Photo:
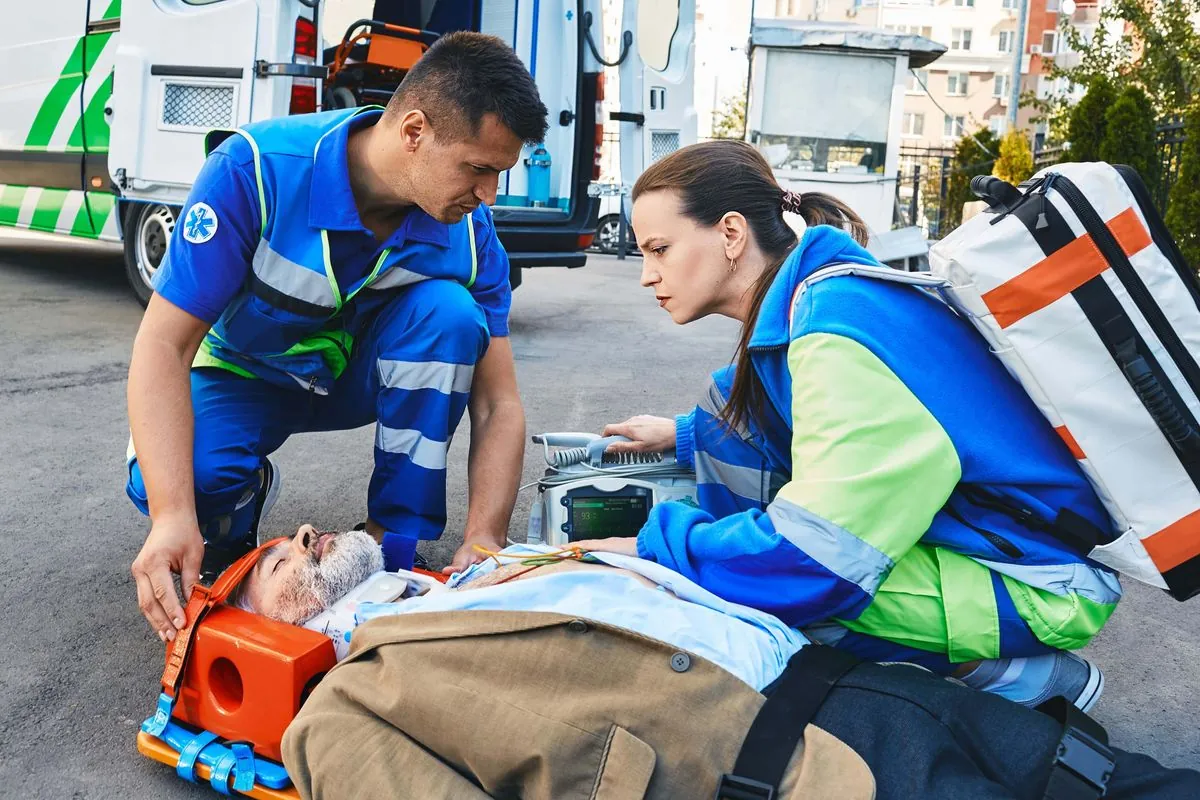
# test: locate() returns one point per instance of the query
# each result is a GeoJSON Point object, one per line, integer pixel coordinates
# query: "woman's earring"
{"type": "Point", "coordinates": [732, 265]}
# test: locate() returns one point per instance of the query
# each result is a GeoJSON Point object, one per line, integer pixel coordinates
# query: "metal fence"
{"type": "Point", "coordinates": [1170, 137]}
{"type": "Point", "coordinates": [927, 175]}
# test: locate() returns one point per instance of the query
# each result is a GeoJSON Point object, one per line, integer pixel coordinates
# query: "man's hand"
{"type": "Point", "coordinates": [173, 547]}
{"type": "Point", "coordinates": [623, 545]}
{"type": "Point", "coordinates": [467, 555]}
{"type": "Point", "coordinates": [648, 434]}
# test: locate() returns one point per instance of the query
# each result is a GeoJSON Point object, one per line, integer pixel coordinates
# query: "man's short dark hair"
{"type": "Point", "coordinates": [465, 76]}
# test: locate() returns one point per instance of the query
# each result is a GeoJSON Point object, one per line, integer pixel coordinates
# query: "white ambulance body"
{"type": "Point", "coordinates": [106, 104]}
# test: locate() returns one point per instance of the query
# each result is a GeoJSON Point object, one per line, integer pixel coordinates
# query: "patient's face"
{"type": "Point", "coordinates": [298, 579]}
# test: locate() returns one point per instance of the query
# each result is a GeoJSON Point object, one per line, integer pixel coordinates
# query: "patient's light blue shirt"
{"type": "Point", "coordinates": [752, 645]}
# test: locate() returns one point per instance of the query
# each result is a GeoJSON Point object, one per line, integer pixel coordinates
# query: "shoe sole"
{"type": "Point", "coordinates": [269, 498]}
{"type": "Point", "coordinates": [1092, 690]}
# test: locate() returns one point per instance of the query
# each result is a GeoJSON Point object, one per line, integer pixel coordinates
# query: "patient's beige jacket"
{"type": "Point", "coordinates": [475, 704]}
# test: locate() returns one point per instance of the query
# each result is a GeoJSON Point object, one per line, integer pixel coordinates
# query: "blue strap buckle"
{"type": "Point", "coordinates": [243, 776]}
{"type": "Point", "coordinates": [186, 768]}
{"type": "Point", "coordinates": [162, 715]}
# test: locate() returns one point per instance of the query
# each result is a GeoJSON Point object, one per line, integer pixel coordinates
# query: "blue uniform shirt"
{"type": "Point", "coordinates": [203, 278]}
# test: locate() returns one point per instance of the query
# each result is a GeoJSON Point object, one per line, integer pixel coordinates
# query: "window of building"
{"type": "Point", "coordinates": [997, 124]}
{"type": "Point", "coordinates": [914, 124]}
{"type": "Point", "coordinates": [1006, 41]}
{"type": "Point", "coordinates": [918, 79]}
{"type": "Point", "coordinates": [1000, 86]}
{"type": "Point", "coordinates": [960, 39]}
{"type": "Point", "coordinates": [964, 3]}
{"type": "Point", "coordinates": [1050, 42]}
{"type": "Point", "coordinates": [1011, 5]}
{"type": "Point", "coordinates": [953, 127]}
{"type": "Point", "coordinates": [956, 84]}
{"type": "Point", "coordinates": [1052, 5]}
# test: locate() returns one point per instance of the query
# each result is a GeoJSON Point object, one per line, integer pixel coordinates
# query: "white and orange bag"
{"type": "Point", "coordinates": [1082, 293]}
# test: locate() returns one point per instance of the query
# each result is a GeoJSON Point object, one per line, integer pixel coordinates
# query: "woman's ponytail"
{"type": "Point", "coordinates": [818, 208]}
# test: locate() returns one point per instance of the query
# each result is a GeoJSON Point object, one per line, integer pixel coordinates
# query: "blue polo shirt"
{"type": "Point", "coordinates": [202, 279]}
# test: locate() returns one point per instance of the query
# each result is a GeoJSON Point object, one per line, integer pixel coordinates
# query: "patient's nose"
{"type": "Point", "coordinates": [305, 538]}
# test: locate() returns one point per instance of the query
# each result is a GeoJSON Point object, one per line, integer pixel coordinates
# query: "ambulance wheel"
{"type": "Point", "coordinates": [514, 277]}
{"type": "Point", "coordinates": [608, 236]}
{"type": "Point", "coordinates": [148, 228]}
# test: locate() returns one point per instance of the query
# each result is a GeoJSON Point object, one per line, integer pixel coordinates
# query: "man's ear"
{"type": "Point", "coordinates": [736, 232]}
{"type": "Point", "coordinates": [414, 129]}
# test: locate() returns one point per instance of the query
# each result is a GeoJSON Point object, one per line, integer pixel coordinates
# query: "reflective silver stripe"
{"type": "Point", "coordinates": [1097, 585]}
{"type": "Point", "coordinates": [712, 402]}
{"type": "Point", "coordinates": [292, 279]}
{"type": "Point", "coordinates": [424, 452]}
{"type": "Point", "coordinates": [830, 545]}
{"type": "Point", "coordinates": [439, 375]}
{"type": "Point", "coordinates": [745, 481]}
{"type": "Point", "coordinates": [397, 277]}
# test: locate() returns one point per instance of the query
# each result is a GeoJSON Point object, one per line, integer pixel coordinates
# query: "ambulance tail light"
{"type": "Point", "coordinates": [597, 159]}
{"type": "Point", "coordinates": [304, 90]}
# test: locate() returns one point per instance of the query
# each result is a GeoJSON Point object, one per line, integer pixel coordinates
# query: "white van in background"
{"type": "Point", "coordinates": [106, 103]}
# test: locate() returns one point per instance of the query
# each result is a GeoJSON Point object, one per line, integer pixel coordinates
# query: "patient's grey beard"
{"type": "Point", "coordinates": [353, 557]}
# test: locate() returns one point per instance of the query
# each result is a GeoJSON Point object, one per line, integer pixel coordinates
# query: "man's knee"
{"type": "Point", "coordinates": [437, 319]}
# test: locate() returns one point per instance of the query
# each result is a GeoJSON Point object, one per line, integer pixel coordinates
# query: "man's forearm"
{"type": "Point", "coordinates": [160, 418]}
{"type": "Point", "coordinates": [494, 470]}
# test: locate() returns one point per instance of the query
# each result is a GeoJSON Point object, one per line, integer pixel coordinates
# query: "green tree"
{"type": "Point", "coordinates": [1183, 208]}
{"type": "Point", "coordinates": [1087, 121]}
{"type": "Point", "coordinates": [974, 155]}
{"type": "Point", "coordinates": [1157, 49]}
{"type": "Point", "coordinates": [730, 121]}
{"type": "Point", "coordinates": [1129, 137]}
{"type": "Point", "coordinates": [1016, 158]}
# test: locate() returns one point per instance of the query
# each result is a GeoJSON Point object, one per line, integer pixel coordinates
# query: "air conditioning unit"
{"type": "Point", "coordinates": [1035, 49]}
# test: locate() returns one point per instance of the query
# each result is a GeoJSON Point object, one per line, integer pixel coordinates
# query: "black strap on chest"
{"type": "Point", "coordinates": [769, 744]}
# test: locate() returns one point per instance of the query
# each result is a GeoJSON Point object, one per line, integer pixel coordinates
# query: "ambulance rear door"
{"type": "Point", "coordinates": [183, 68]}
{"type": "Point", "coordinates": [658, 112]}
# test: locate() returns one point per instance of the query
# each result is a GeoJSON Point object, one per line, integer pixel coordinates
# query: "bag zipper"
{"type": "Point", "coordinates": [1114, 254]}
{"type": "Point", "coordinates": [996, 540]}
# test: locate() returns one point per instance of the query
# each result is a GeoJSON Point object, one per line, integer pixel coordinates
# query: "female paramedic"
{"type": "Point", "coordinates": [867, 469]}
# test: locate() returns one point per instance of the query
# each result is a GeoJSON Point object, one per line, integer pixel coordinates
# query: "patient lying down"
{"type": "Point", "coordinates": [333, 582]}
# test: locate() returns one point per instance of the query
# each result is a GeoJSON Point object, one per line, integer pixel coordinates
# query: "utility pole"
{"type": "Point", "coordinates": [1014, 89]}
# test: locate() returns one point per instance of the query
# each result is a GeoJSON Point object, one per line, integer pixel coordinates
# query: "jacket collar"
{"type": "Point", "coordinates": [331, 200]}
{"type": "Point", "coordinates": [819, 246]}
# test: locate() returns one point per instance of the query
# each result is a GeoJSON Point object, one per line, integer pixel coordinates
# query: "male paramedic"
{"type": "Point", "coordinates": [331, 270]}
{"type": "Point", "coordinates": [538, 676]}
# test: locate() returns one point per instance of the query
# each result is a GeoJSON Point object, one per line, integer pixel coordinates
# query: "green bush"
{"type": "Point", "coordinates": [1087, 122]}
{"type": "Point", "coordinates": [971, 158]}
{"type": "Point", "coordinates": [1183, 208]}
{"type": "Point", "coordinates": [1129, 137]}
{"type": "Point", "coordinates": [1016, 158]}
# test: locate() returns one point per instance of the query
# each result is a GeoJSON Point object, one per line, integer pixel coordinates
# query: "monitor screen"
{"type": "Point", "coordinates": [602, 517]}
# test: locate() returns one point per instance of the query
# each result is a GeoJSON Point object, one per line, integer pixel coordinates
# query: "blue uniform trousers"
{"type": "Point", "coordinates": [410, 372]}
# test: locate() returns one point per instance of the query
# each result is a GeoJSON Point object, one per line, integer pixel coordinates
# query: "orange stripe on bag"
{"type": "Point", "coordinates": [1069, 439]}
{"type": "Point", "coordinates": [1176, 543]}
{"type": "Point", "coordinates": [1062, 272]}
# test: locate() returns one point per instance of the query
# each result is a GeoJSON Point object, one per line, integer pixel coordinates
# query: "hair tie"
{"type": "Point", "coordinates": [792, 201]}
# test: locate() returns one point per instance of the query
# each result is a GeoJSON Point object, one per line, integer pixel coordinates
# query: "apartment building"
{"type": "Point", "coordinates": [968, 87]}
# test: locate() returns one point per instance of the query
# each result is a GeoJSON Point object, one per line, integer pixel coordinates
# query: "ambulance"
{"type": "Point", "coordinates": [105, 103]}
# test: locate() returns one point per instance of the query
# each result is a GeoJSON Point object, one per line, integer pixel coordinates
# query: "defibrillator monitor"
{"type": "Point", "coordinates": [595, 514]}
{"type": "Point", "coordinates": [589, 493]}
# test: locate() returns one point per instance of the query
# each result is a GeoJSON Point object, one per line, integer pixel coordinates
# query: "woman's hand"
{"type": "Point", "coordinates": [624, 545]}
{"type": "Point", "coordinates": [647, 434]}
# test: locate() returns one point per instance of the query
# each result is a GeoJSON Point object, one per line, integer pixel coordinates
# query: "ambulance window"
{"type": "Point", "coordinates": [843, 127]}
{"type": "Point", "coordinates": [657, 22]}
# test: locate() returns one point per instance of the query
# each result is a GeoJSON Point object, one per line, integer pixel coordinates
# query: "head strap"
{"type": "Point", "coordinates": [202, 599]}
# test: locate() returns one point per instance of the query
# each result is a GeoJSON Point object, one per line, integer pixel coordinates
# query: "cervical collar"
{"type": "Point", "coordinates": [337, 621]}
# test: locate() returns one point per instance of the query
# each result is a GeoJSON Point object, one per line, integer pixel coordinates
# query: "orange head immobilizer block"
{"type": "Point", "coordinates": [246, 676]}
{"type": "Point", "coordinates": [236, 674]}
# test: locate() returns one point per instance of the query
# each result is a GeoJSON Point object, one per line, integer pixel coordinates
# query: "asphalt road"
{"type": "Point", "coordinates": [78, 667]}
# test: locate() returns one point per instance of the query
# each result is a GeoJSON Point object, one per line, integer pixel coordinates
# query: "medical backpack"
{"type": "Point", "coordinates": [1079, 289]}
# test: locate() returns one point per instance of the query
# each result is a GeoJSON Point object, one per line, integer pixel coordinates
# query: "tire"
{"type": "Point", "coordinates": [148, 228]}
{"type": "Point", "coordinates": [608, 236]}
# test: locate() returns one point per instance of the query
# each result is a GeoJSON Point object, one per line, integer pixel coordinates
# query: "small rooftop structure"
{"type": "Point", "coordinates": [843, 36]}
